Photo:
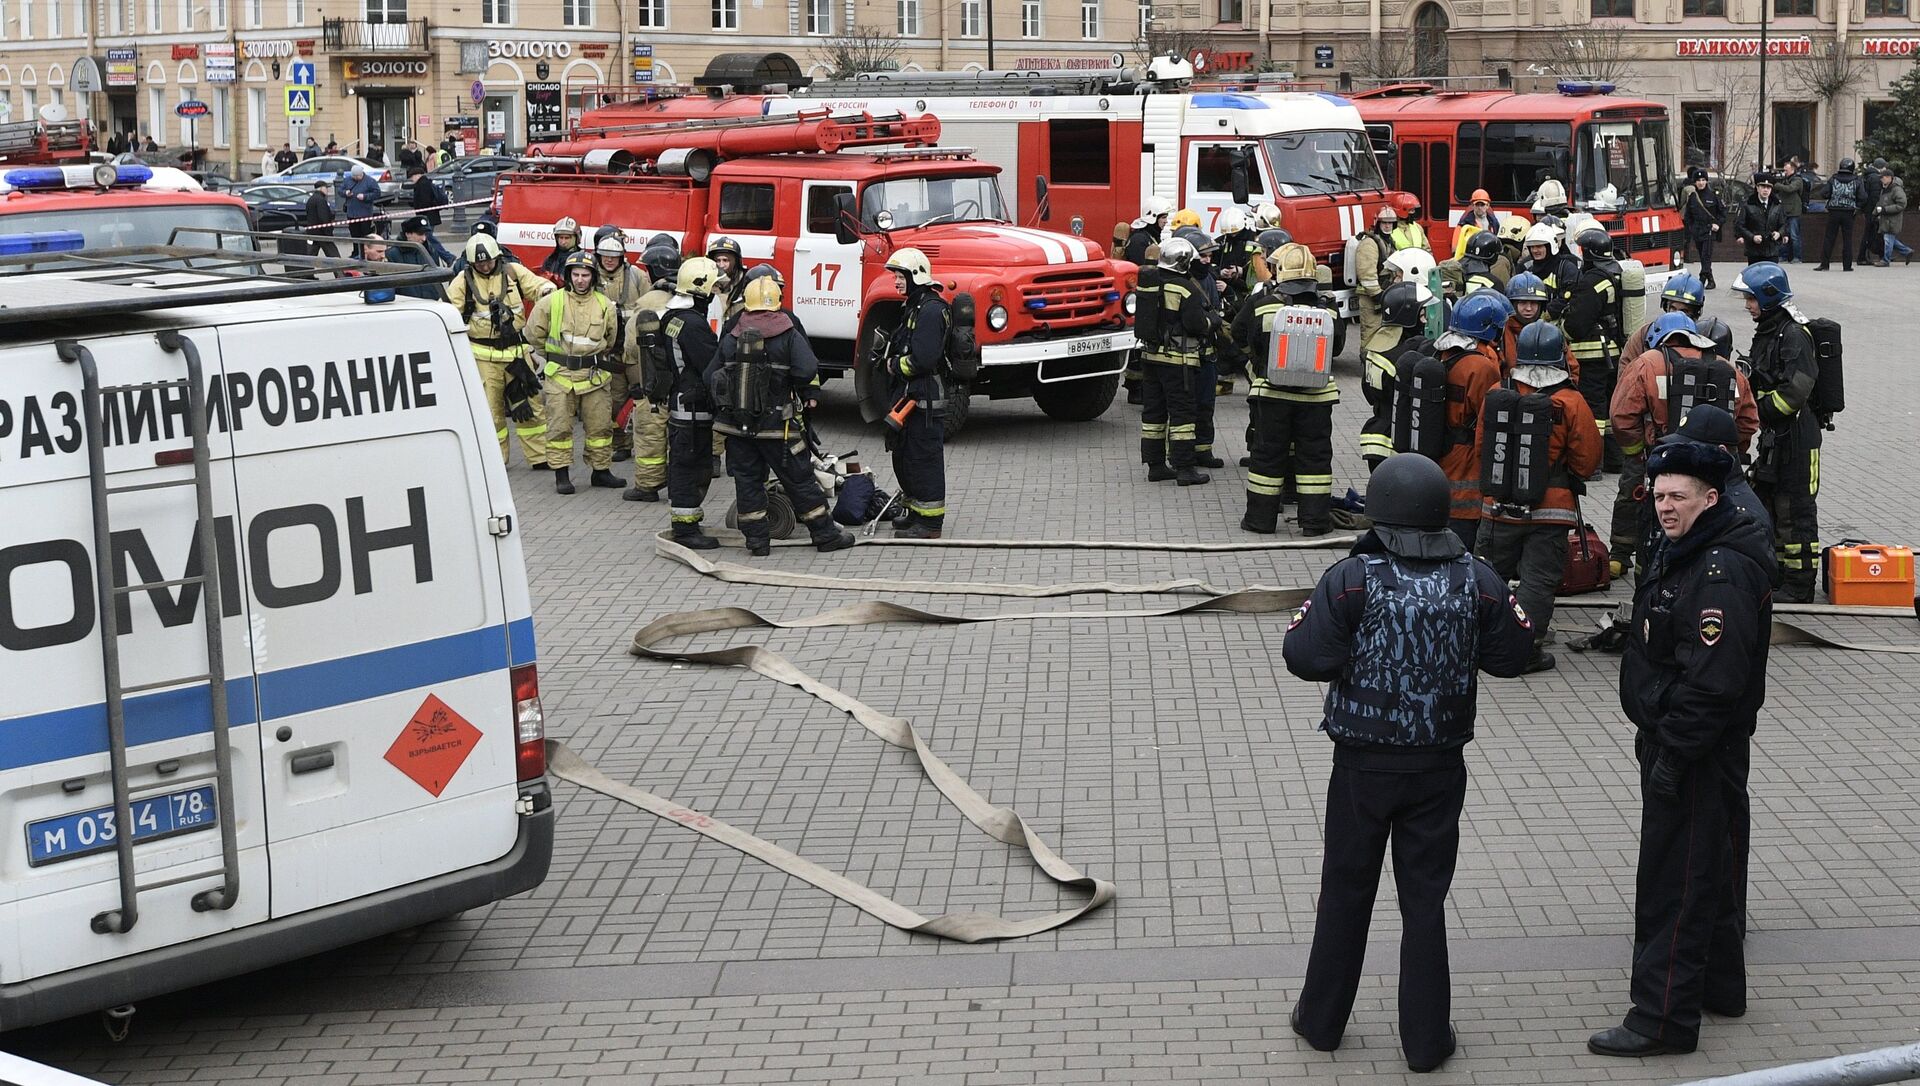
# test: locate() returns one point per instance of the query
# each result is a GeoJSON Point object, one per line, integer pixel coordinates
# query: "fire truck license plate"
{"type": "Point", "coordinates": [1096, 345]}
{"type": "Point", "coordinates": [72, 836]}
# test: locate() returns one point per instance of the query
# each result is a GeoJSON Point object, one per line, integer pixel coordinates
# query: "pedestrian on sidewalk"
{"type": "Point", "coordinates": [1892, 215]}
{"type": "Point", "coordinates": [1692, 681]}
{"type": "Point", "coordinates": [1398, 631]}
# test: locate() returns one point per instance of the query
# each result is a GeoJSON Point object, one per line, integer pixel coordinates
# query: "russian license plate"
{"type": "Point", "coordinates": [84, 833]}
{"type": "Point", "coordinates": [1095, 345]}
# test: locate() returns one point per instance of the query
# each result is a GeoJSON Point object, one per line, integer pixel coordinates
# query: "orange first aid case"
{"type": "Point", "coordinates": [1869, 575]}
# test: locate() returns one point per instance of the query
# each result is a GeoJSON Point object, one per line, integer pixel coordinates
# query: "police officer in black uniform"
{"type": "Point", "coordinates": [687, 346]}
{"type": "Point", "coordinates": [1398, 631]}
{"type": "Point", "coordinates": [916, 368]}
{"type": "Point", "coordinates": [763, 364]}
{"type": "Point", "coordinates": [1692, 681]}
{"type": "Point", "coordinates": [1786, 474]}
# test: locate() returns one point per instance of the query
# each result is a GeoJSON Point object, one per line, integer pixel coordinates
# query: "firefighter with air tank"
{"type": "Point", "coordinates": [492, 293]}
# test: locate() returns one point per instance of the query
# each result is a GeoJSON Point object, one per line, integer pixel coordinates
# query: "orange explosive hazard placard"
{"type": "Point", "coordinates": [434, 745]}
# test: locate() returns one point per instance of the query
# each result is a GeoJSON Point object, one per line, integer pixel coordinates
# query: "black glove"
{"type": "Point", "coordinates": [1663, 779]}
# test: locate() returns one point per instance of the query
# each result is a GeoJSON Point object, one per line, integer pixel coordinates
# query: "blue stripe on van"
{"type": "Point", "coordinates": [170, 714]}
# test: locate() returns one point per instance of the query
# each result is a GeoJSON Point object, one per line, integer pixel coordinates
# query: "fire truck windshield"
{"type": "Point", "coordinates": [1623, 166]}
{"type": "Point", "coordinates": [900, 202]}
{"type": "Point", "coordinates": [1310, 163]}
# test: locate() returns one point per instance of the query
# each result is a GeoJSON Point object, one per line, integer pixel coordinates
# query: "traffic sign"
{"type": "Point", "coordinates": [299, 101]}
{"type": "Point", "coordinates": [303, 73]}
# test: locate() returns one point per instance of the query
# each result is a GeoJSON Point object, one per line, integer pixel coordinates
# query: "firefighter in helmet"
{"type": "Point", "coordinates": [763, 366]}
{"type": "Point", "coordinates": [1684, 293]}
{"type": "Point", "coordinates": [624, 285]}
{"type": "Point", "coordinates": [1401, 336]}
{"type": "Point", "coordinates": [1369, 268]}
{"type": "Point", "coordinates": [566, 242]}
{"type": "Point", "coordinates": [1292, 425]}
{"type": "Point", "coordinates": [650, 386]}
{"type": "Point", "coordinates": [1536, 448]}
{"type": "Point", "coordinates": [1449, 427]}
{"type": "Point", "coordinates": [575, 336]}
{"type": "Point", "coordinates": [725, 254]}
{"type": "Point", "coordinates": [492, 293]}
{"type": "Point", "coordinates": [687, 345]}
{"type": "Point", "coordinates": [1591, 316]}
{"type": "Point", "coordinates": [1786, 474]}
{"type": "Point", "coordinates": [1171, 320]}
{"type": "Point", "coordinates": [916, 366]}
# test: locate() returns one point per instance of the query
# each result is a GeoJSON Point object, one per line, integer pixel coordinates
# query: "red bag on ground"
{"type": "Point", "coordinates": [1587, 569]}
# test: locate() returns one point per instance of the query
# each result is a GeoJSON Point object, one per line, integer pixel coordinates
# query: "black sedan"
{"type": "Point", "coordinates": [466, 179]}
{"type": "Point", "coordinates": [276, 207]}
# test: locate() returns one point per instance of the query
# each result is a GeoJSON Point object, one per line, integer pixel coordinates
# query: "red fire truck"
{"type": "Point", "coordinates": [49, 185]}
{"type": "Point", "coordinates": [826, 199]}
{"type": "Point", "coordinates": [1613, 154]}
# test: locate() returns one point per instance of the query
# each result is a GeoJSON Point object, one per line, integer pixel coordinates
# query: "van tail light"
{"type": "Point", "coordinates": [529, 723]}
{"type": "Point", "coordinates": [386, 175]}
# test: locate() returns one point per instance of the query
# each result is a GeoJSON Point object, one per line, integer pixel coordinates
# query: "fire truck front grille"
{"type": "Point", "coordinates": [1067, 297]}
{"type": "Point", "coordinates": [1658, 240]}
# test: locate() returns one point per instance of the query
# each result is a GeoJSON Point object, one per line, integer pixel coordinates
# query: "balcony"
{"type": "Point", "coordinates": [362, 36]}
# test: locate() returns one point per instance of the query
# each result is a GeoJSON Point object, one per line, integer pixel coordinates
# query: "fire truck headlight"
{"type": "Point", "coordinates": [997, 318]}
{"type": "Point", "coordinates": [1128, 303]}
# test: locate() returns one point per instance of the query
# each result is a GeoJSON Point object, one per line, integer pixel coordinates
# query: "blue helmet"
{"type": "Point", "coordinates": [1505, 305]}
{"type": "Point", "coordinates": [1542, 344]}
{"type": "Point", "coordinates": [1479, 316]}
{"type": "Point", "coordinates": [1527, 287]}
{"type": "Point", "coordinates": [1667, 324]}
{"type": "Point", "coordinates": [1766, 283]}
{"type": "Point", "coordinates": [1687, 289]}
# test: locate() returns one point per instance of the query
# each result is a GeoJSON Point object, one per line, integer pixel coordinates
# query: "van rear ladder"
{"type": "Point", "coordinates": [207, 580]}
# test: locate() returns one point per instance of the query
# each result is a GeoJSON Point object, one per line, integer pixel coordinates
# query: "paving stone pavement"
{"type": "Point", "coordinates": [1173, 757]}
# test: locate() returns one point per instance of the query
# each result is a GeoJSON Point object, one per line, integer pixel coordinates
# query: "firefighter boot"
{"type": "Point", "coordinates": [1316, 514]}
{"type": "Point", "coordinates": [689, 535]}
{"type": "Point", "coordinates": [1263, 514]}
{"type": "Point", "coordinates": [602, 477]}
{"type": "Point", "coordinates": [827, 535]}
{"type": "Point", "coordinates": [635, 493]}
{"type": "Point", "coordinates": [1191, 476]}
{"type": "Point", "coordinates": [1154, 455]}
{"type": "Point", "coordinates": [562, 481]}
{"type": "Point", "coordinates": [758, 544]}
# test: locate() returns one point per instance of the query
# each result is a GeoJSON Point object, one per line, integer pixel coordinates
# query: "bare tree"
{"type": "Point", "coordinates": [1739, 87]}
{"type": "Point", "coordinates": [1601, 51]}
{"type": "Point", "coordinates": [1170, 32]}
{"type": "Point", "coordinates": [1386, 59]}
{"type": "Point", "coordinates": [1827, 76]}
{"type": "Point", "coordinates": [859, 49]}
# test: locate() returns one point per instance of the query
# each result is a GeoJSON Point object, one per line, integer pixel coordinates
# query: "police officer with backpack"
{"type": "Point", "coordinates": [1292, 425]}
{"type": "Point", "coordinates": [1538, 443]}
{"type": "Point", "coordinates": [1786, 473]}
{"type": "Point", "coordinates": [763, 365]}
{"type": "Point", "coordinates": [1397, 631]}
{"type": "Point", "coordinates": [917, 367]}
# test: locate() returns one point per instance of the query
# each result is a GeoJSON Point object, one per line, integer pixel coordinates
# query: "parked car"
{"type": "Point", "coordinates": [334, 169]}
{"type": "Point", "coordinates": [470, 179]}
{"type": "Point", "coordinates": [276, 207]}
{"type": "Point", "coordinates": [191, 160]}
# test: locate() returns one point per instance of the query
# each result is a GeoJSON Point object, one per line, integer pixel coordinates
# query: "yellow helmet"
{"type": "Point", "coordinates": [762, 295]}
{"type": "Point", "coordinates": [698, 275]}
{"type": "Point", "coordinates": [1513, 227]}
{"type": "Point", "coordinates": [482, 247]}
{"type": "Point", "coordinates": [1186, 216]}
{"type": "Point", "coordinates": [914, 263]}
{"type": "Point", "coordinates": [1295, 262]}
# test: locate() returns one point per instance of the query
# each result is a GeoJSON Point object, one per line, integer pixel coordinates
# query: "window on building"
{"type": "Point", "coordinates": [1430, 56]}
{"type": "Point", "coordinates": [1700, 127]}
{"type": "Point", "coordinates": [1232, 11]}
{"type": "Point", "coordinates": [820, 17]}
{"type": "Point", "coordinates": [296, 12]}
{"type": "Point", "coordinates": [26, 18]}
{"type": "Point", "coordinates": [907, 18]}
{"type": "Point", "coordinates": [820, 207]}
{"type": "Point", "coordinates": [1874, 114]}
{"type": "Point", "coordinates": [576, 12]}
{"type": "Point", "coordinates": [726, 14]}
{"type": "Point", "coordinates": [4, 21]}
{"type": "Point", "coordinates": [186, 14]}
{"type": "Point", "coordinates": [1792, 7]}
{"type": "Point", "coordinates": [1792, 131]}
{"type": "Point", "coordinates": [1715, 8]}
{"type": "Point", "coordinates": [219, 8]}
{"type": "Point", "coordinates": [1079, 152]}
{"type": "Point", "coordinates": [970, 21]}
{"type": "Point", "coordinates": [222, 116]}
{"type": "Point", "coordinates": [1611, 9]}
{"type": "Point", "coordinates": [1090, 19]}
{"type": "Point", "coordinates": [1146, 19]}
{"type": "Point", "coordinates": [256, 12]}
{"type": "Point", "coordinates": [29, 103]}
{"type": "Point", "coordinates": [379, 11]}
{"type": "Point", "coordinates": [6, 104]}
{"type": "Point", "coordinates": [53, 18]}
{"type": "Point", "coordinates": [256, 117]}
{"type": "Point", "coordinates": [157, 114]}
{"type": "Point", "coordinates": [496, 12]}
{"type": "Point", "coordinates": [1886, 7]}
{"type": "Point", "coordinates": [1030, 18]}
{"type": "Point", "coordinates": [653, 13]}
{"type": "Point", "coordinates": [746, 207]}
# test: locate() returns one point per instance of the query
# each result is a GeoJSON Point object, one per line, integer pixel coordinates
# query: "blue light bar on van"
{"type": "Point", "coordinates": [72, 177]}
{"type": "Point", "coordinates": [1227, 101]}
{"type": "Point", "coordinates": [1580, 88]}
{"type": "Point", "coordinates": [43, 241]}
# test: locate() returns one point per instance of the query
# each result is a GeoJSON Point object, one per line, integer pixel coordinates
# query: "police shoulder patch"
{"type": "Point", "coordinates": [1300, 615]}
{"type": "Point", "coordinates": [1713, 623]}
{"type": "Point", "coordinates": [1519, 613]}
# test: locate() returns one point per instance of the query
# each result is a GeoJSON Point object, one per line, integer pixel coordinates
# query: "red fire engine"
{"type": "Point", "coordinates": [825, 199]}
{"type": "Point", "coordinates": [1612, 154]}
{"type": "Point", "coordinates": [48, 186]}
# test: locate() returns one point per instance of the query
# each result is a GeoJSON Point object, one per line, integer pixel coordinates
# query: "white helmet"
{"type": "Point", "coordinates": [1414, 265]}
{"type": "Point", "coordinates": [1232, 221]}
{"type": "Point", "coordinates": [1552, 194]}
{"type": "Point", "coordinates": [1546, 234]}
{"type": "Point", "coordinates": [481, 247]}
{"type": "Point", "coordinates": [914, 263]}
{"type": "Point", "coordinates": [610, 246]}
{"type": "Point", "coordinates": [1153, 210]}
{"type": "Point", "coordinates": [1576, 223]}
{"type": "Point", "coordinates": [1176, 254]}
{"type": "Point", "coordinates": [1266, 217]}
{"type": "Point", "coordinates": [566, 225]}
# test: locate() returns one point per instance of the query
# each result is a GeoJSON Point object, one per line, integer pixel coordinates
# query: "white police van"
{"type": "Point", "coordinates": [245, 463]}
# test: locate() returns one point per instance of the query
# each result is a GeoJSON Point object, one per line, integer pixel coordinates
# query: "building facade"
{"type": "Point", "coordinates": [489, 70]}
{"type": "Point", "coordinates": [1830, 63]}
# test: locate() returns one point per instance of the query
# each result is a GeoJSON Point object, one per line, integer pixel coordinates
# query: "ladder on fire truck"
{"type": "Point", "coordinates": [691, 147]}
{"type": "Point", "coordinates": [43, 142]}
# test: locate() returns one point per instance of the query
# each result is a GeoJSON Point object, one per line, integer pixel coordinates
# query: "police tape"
{"type": "Point", "coordinates": [386, 215]}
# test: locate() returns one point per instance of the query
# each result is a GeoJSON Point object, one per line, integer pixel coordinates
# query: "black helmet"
{"type": "Point", "coordinates": [1271, 238]}
{"type": "Point", "coordinates": [1409, 491]}
{"type": "Point", "coordinates": [1719, 332]}
{"type": "Point", "coordinates": [1594, 243]}
{"type": "Point", "coordinates": [1400, 306]}
{"type": "Point", "coordinates": [1484, 246]}
{"type": "Point", "coordinates": [1846, 165]}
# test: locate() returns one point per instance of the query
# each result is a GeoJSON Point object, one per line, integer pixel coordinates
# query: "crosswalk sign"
{"type": "Point", "coordinates": [299, 101]}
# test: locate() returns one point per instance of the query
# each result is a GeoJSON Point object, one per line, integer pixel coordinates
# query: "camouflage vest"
{"type": "Point", "coordinates": [1410, 682]}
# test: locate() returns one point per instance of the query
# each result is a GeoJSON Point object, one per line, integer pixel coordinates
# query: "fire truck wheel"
{"type": "Point", "coordinates": [1077, 401]}
{"type": "Point", "coordinates": [959, 406]}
